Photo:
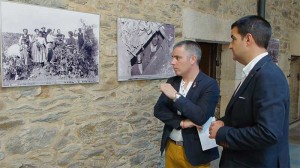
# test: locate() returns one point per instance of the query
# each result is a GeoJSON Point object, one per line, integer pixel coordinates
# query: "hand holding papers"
{"type": "Point", "coordinates": [205, 141]}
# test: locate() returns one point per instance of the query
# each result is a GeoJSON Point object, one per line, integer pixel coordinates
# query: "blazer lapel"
{"type": "Point", "coordinates": [176, 83]}
{"type": "Point", "coordinates": [195, 85]}
{"type": "Point", "coordinates": [252, 73]}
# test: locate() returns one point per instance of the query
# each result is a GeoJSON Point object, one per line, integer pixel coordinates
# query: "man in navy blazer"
{"type": "Point", "coordinates": [187, 101]}
{"type": "Point", "coordinates": [254, 130]}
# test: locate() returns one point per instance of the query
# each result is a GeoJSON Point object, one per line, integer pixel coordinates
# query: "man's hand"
{"type": "Point", "coordinates": [187, 123]}
{"type": "Point", "coordinates": [214, 127]}
{"type": "Point", "coordinates": [168, 90]}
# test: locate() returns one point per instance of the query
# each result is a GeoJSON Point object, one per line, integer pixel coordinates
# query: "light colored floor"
{"type": "Point", "coordinates": [215, 163]}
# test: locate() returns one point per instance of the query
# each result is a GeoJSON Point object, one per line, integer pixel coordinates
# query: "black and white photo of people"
{"type": "Point", "coordinates": [62, 49]}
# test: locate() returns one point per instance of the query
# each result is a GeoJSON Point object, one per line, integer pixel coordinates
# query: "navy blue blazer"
{"type": "Point", "coordinates": [257, 120]}
{"type": "Point", "coordinates": [198, 105]}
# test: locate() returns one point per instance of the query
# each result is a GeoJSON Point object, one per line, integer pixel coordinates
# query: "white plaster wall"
{"type": "Point", "coordinates": [205, 27]}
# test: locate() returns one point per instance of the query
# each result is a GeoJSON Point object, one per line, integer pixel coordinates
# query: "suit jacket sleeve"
{"type": "Point", "coordinates": [269, 101]}
{"type": "Point", "coordinates": [164, 111]}
{"type": "Point", "coordinates": [198, 108]}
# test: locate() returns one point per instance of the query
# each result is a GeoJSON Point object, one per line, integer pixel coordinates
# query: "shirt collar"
{"type": "Point", "coordinates": [250, 65]}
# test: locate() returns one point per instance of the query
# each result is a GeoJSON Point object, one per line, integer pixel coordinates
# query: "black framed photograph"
{"type": "Point", "coordinates": [144, 49]}
{"type": "Point", "coordinates": [47, 46]}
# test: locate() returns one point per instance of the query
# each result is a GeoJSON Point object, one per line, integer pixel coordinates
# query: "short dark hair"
{"type": "Point", "coordinates": [70, 33]}
{"type": "Point", "coordinates": [192, 47]}
{"type": "Point", "coordinates": [257, 26]}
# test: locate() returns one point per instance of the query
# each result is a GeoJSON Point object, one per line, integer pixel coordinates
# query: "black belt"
{"type": "Point", "coordinates": [179, 143]}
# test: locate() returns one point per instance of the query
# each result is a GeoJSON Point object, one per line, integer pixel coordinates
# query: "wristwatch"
{"type": "Point", "coordinates": [177, 96]}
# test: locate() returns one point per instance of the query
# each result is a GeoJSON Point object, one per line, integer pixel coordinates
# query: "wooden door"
{"type": "Point", "coordinates": [209, 58]}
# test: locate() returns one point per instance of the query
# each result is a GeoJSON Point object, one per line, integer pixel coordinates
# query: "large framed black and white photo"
{"type": "Point", "coordinates": [144, 49]}
{"type": "Point", "coordinates": [47, 46]}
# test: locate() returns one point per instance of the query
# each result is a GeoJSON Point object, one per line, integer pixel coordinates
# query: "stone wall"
{"type": "Point", "coordinates": [111, 124]}
{"type": "Point", "coordinates": [284, 18]}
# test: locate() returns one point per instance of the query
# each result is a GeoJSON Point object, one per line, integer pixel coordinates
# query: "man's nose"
{"type": "Point", "coordinates": [173, 61]}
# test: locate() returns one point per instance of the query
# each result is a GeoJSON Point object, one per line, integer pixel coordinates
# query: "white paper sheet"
{"type": "Point", "coordinates": [205, 141]}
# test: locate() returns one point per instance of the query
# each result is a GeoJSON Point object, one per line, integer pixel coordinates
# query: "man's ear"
{"type": "Point", "coordinates": [193, 59]}
{"type": "Point", "coordinates": [249, 39]}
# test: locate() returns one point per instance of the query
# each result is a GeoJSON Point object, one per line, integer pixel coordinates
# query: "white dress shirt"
{"type": "Point", "coordinates": [246, 70]}
{"type": "Point", "coordinates": [176, 134]}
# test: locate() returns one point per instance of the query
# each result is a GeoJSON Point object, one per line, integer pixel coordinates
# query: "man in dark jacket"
{"type": "Point", "coordinates": [254, 130]}
{"type": "Point", "coordinates": [187, 101]}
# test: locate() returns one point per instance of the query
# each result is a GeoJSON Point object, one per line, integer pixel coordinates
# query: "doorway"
{"type": "Point", "coordinates": [210, 63]}
{"type": "Point", "coordinates": [209, 59]}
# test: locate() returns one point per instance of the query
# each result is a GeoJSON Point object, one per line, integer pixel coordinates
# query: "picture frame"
{"type": "Point", "coordinates": [47, 46]}
{"type": "Point", "coordinates": [144, 49]}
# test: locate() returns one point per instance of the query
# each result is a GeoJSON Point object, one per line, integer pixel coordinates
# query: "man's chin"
{"type": "Point", "coordinates": [177, 73]}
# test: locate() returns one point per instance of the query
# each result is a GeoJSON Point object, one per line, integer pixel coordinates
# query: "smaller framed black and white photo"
{"type": "Point", "coordinates": [47, 46]}
{"type": "Point", "coordinates": [144, 49]}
